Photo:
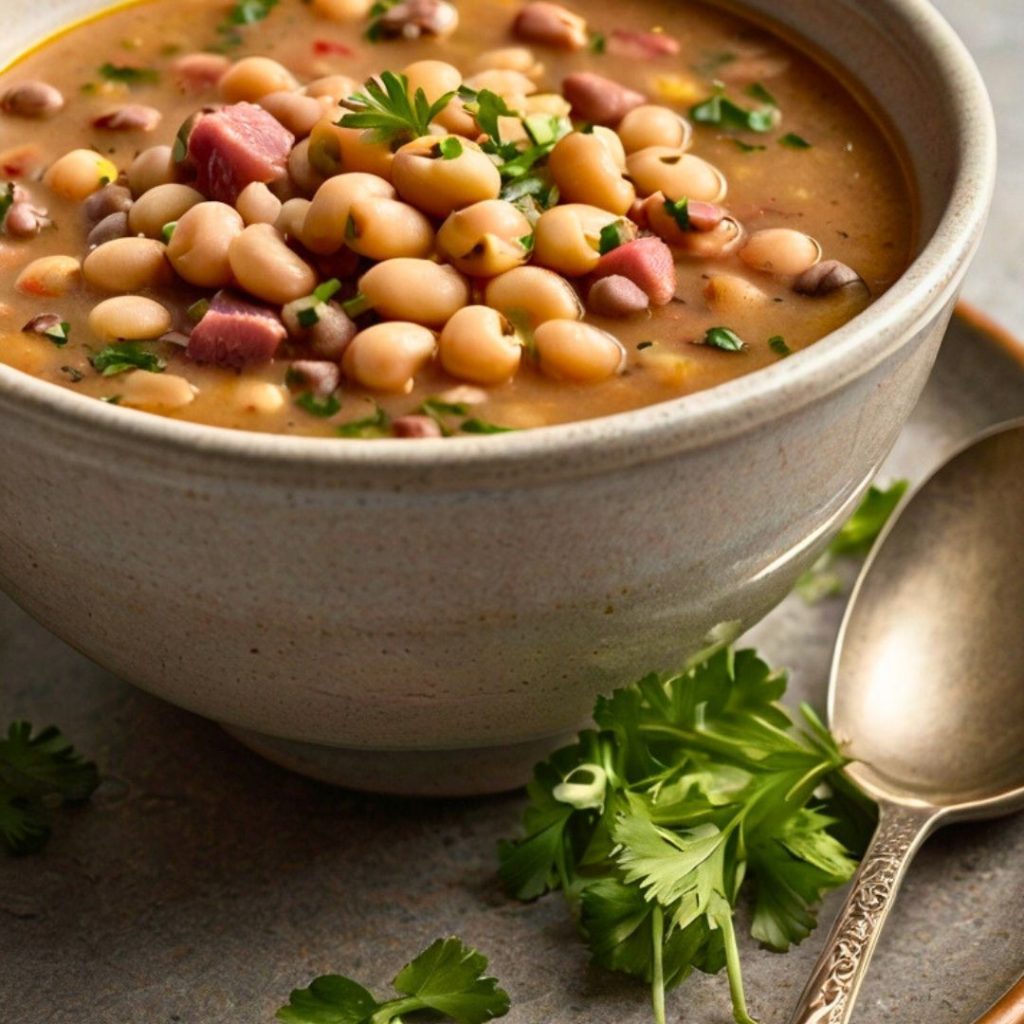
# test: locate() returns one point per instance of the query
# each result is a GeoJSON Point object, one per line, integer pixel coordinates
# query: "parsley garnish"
{"type": "Point", "coordinates": [58, 333]}
{"type": "Point", "coordinates": [793, 141]}
{"type": "Point", "coordinates": [449, 148]}
{"type": "Point", "coordinates": [598, 43]}
{"type": "Point", "coordinates": [198, 310]}
{"type": "Point", "coordinates": [36, 772]}
{"type": "Point", "coordinates": [308, 317]}
{"type": "Point", "coordinates": [722, 112]}
{"type": "Point", "coordinates": [377, 425]}
{"type": "Point", "coordinates": [747, 147]}
{"type": "Point", "coordinates": [778, 345]}
{"type": "Point", "coordinates": [6, 201]}
{"type": "Point", "coordinates": [447, 980]}
{"type": "Point", "coordinates": [130, 76]}
{"type": "Point", "coordinates": [688, 784]}
{"type": "Point", "coordinates": [854, 540]}
{"type": "Point", "coordinates": [375, 30]}
{"type": "Point", "coordinates": [478, 426]}
{"type": "Point", "coordinates": [384, 110]}
{"type": "Point", "coordinates": [167, 231]}
{"type": "Point", "coordinates": [248, 12]}
{"type": "Point", "coordinates": [441, 411]}
{"type": "Point", "coordinates": [679, 211]}
{"type": "Point", "coordinates": [124, 356]}
{"type": "Point", "coordinates": [326, 291]}
{"type": "Point", "coordinates": [316, 406]}
{"type": "Point", "coordinates": [723, 339]}
{"type": "Point", "coordinates": [612, 236]}
{"type": "Point", "coordinates": [757, 91]}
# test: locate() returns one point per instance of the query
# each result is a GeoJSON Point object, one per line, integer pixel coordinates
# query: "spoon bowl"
{"type": "Point", "coordinates": [927, 687]}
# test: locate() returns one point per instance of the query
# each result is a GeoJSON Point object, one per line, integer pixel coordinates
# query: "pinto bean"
{"type": "Point", "coordinates": [598, 99]}
{"type": "Point", "coordinates": [114, 225]}
{"type": "Point", "coordinates": [34, 99]}
{"type": "Point", "coordinates": [780, 251]}
{"type": "Point", "coordinates": [551, 25]}
{"type": "Point", "coordinates": [617, 296]}
{"type": "Point", "coordinates": [25, 220]}
{"type": "Point", "coordinates": [416, 427]}
{"type": "Point", "coordinates": [131, 118]}
{"type": "Point", "coordinates": [826, 277]}
{"type": "Point", "coordinates": [110, 199]}
{"type": "Point", "coordinates": [411, 19]}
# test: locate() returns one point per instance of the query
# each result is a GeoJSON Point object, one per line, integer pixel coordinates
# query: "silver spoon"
{"type": "Point", "coordinates": [927, 687]}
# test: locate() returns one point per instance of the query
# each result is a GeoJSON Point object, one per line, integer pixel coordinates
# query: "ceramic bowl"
{"type": "Point", "coordinates": [431, 617]}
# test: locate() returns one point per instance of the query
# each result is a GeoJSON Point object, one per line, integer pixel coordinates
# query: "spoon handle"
{"type": "Point", "coordinates": [832, 989]}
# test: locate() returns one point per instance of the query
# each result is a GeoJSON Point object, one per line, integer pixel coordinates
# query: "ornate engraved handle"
{"type": "Point", "coordinates": [832, 990]}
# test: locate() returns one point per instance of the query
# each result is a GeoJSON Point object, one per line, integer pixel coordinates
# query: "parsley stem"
{"type": "Point", "coordinates": [732, 967]}
{"type": "Point", "coordinates": [658, 970]}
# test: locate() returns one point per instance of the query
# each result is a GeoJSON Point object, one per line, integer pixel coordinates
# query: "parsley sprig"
{"type": "Point", "coordinates": [448, 980]}
{"type": "Point", "coordinates": [35, 773]}
{"type": "Point", "coordinates": [688, 786]}
{"type": "Point", "coordinates": [385, 110]}
{"type": "Point", "coordinates": [721, 112]}
{"type": "Point", "coordinates": [123, 356]}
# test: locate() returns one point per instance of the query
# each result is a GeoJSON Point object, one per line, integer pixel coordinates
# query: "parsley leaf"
{"type": "Point", "coordinates": [317, 406]}
{"type": "Point", "coordinates": [613, 235]}
{"type": "Point", "coordinates": [375, 426]}
{"type": "Point", "coordinates": [724, 339]}
{"type": "Point", "coordinates": [778, 345]}
{"type": "Point", "coordinates": [679, 211]}
{"type": "Point", "coordinates": [723, 113]}
{"type": "Point", "coordinates": [130, 76]}
{"type": "Point", "coordinates": [757, 91]}
{"type": "Point", "coordinates": [441, 411]}
{"type": "Point", "coordinates": [447, 978]}
{"type": "Point", "coordinates": [793, 141]}
{"type": "Point", "coordinates": [449, 148]}
{"type": "Point", "coordinates": [6, 201]}
{"type": "Point", "coordinates": [35, 772]}
{"type": "Point", "coordinates": [688, 785]}
{"type": "Point", "coordinates": [248, 12]}
{"type": "Point", "coordinates": [385, 111]}
{"type": "Point", "coordinates": [123, 356]}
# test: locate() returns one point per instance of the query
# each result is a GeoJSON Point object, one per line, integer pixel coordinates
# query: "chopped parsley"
{"type": "Point", "coordinates": [721, 112]}
{"type": "Point", "coordinates": [317, 406]}
{"type": "Point", "coordinates": [793, 141]}
{"type": "Point", "coordinates": [598, 43]}
{"type": "Point", "coordinates": [167, 231]}
{"type": "Point", "coordinates": [124, 356]}
{"type": "Point", "coordinates": [58, 333]}
{"type": "Point", "coordinates": [38, 772]}
{"type": "Point", "coordinates": [198, 310]}
{"type": "Point", "coordinates": [478, 426]}
{"type": "Point", "coordinates": [778, 345]}
{"type": "Point", "coordinates": [248, 12]}
{"type": "Point", "coordinates": [6, 201]}
{"type": "Point", "coordinates": [326, 291]}
{"type": "Point", "coordinates": [613, 235]}
{"type": "Point", "coordinates": [748, 147]}
{"type": "Point", "coordinates": [449, 148]}
{"type": "Point", "coordinates": [74, 375]}
{"type": "Point", "coordinates": [375, 426]}
{"type": "Point", "coordinates": [723, 339]}
{"type": "Point", "coordinates": [375, 32]}
{"type": "Point", "coordinates": [385, 110]}
{"type": "Point", "coordinates": [308, 317]}
{"type": "Point", "coordinates": [129, 75]}
{"type": "Point", "coordinates": [679, 211]}
{"type": "Point", "coordinates": [441, 412]}
{"type": "Point", "coordinates": [446, 982]}
{"type": "Point", "coordinates": [757, 91]}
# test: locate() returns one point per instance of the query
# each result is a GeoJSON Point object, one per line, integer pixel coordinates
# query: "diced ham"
{"type": "Point", "coordinates": [236, 333]}
{"type": "Point", "coordinates": [235, 146]}
{"type": "Point", "coordinates": [648, 263]}
{"type": "Point", "coordinates": [642, 45]}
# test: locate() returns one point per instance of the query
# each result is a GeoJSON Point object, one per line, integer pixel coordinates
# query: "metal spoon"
{"type": "Point", "coordinates": [927, 687]}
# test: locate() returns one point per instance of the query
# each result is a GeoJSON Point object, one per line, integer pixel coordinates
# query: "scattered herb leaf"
{"type": "Point", "coordinates": [793, 141]}
{"type": "Point", "coordinates": [167, 231]}
{"type": "Point", "coordinates": [477, 426]}
{"type": "Point", "coordinates": [58, 333]}
{"type": "Point", "coordinates": [248, 12]}
{"type": "Point", "coordinates": [612, 236]}
{"type": "Point", "coordinates": [198, 310]}
{"type": "Point", "coordinates": [723, 113]}
{"type": "Point", "coordinates": [756, 91]}
{"type": "Point", "coordinates": [36, 772]}
{"type": "Point", "coordinates": [74, 375]}
{"type": "Point", "coordinates": [679, 211]}
{"type": "Point", "coordinates": [377, 425]}
{"type": "Point", "coordinates": [326, 291]}
{"type": "Point", "coordinates": [723, 339]}
{"type": "Point", "coordinates": [128, 75]}
{"type": "Point", "coordinates": [778, 345]}
{"type": "Point", "coordinates": [598, 43]}
{"type": "Point", "coordinates": [123, 356]}
{"type": "Point", "coordinates": [748, 147]}
{"type": "Point", "coordinates": [6, 201]}
{"type": "Point", "coordinates": [385, 110]}
{"type": "Point", "coordinates": [449, 148]}
{"type": "Point", "coordinates": [356, 306]}
{"type": "Point", "coordinates": [317, 406]}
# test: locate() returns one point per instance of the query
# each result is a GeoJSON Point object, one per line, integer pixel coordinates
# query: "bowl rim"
{"type": "Point", "coordinates": [688, 422]}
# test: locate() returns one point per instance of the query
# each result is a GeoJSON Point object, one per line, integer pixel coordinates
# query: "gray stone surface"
{"type": "Point", "coordinates": [204, 883]}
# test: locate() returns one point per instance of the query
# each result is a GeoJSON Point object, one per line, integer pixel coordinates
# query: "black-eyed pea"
{"type": "Point", "coordinates": [152, 167]}
{"type": "Point", "coordinates": [198, 249]}
{"type": "Point", "coordinates": [439, 175]}
{"type": "Point", "coordinates": [509, 58]}
{"type": "Point", "coordinates": [731, 294]}
{"type": "Point", "coordinates": [384, 229]}
{"type": "Point", "coordinates": [160, 206]}
{"type": "Point", "coordinates": [154, 392]}
{"type": "Point", "coordinates": [481, 346]}
{"type": "Point", "coordinates": [485, 239]}
{"type": "Point", "coordinates": [257, 397]}
{"type": "Point", "coordinates": [780, 251]}
{"type": "Point", "coordinates": [49, 277]}
{"type": "Point", "coordinates": [533, 295]}
{"type": "Point", "coordinates": [568, 238]}
{"type": "Point", "coordinates": [132, 117]}
{"type": "Point", "coordinates": [419, 291]}
{"type": "Point", "coordinates": [258, 205]}
{"type": "Point", "coordinates": [252, 78]}
{"type": "Point", "coordinates": [129, 318]}
{"type": "Point", "coordinates": [323, 231]}
{"type": "Point", "coordinates": [78, 174]}
{"type": "Point", "coordinates": [410, 19]}
{"type": "Point", "coordinates": [342, 10]}
{"type": "Point", "coordinates": [333, 87]}
{"type": "Point", "coordinates": [127, 265]}
{"type": "Point", "coordinates": [387, 357]}
{"type": "Point", "coordinates": [690, 228]}
{"type": "Point", "coordinates": [291, 219]}
{"type": "Point", "coordinates": [296, 111]}
{"type": "Point", "coordinates": [304, 175]}
{"type": "Point", "coordinates": [654, 125]}
{"type": "Point", "coordinates": [434, 77]}
{"type": "Point", "coordinates": [572, 350]}
{"type": "Point", "coordinates": [668, 170]}
{"type": "Point", "coordinates": [586, 171]}
{"type": "Point", "coordinates": [551, 25]}
{"type": "Point", "coordinates": [33, 99]}
{"type": "Point", "coordinates": [265, 267]}
{"type": "Point", "coordinates": [336, 150]}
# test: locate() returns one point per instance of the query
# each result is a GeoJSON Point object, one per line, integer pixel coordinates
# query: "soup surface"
{"type": "Point", "coordinates": [583, 212]}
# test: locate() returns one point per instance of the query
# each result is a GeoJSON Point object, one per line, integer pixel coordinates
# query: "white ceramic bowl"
{"type": "Point", "coordinates": [430, 617]}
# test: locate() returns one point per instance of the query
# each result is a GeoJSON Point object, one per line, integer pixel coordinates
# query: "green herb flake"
{"type": "Point", "coordinates": [356, 306]}
{"type": "Point", "coordinates": [326, 291]}
{"type": "Point", "coordinates": [598, 43]}
{"type": "Point", "coordinates": [384, 110]}
{"type": "Point", "coordinates": [167, 231]}
{"type": "Point", "coordinates": [59, 334]}
{"type": "Point", "coordinates": [308, 317]}
{"type": "Point", "coordinates": [198, 310]}
{"type": "Point", "coordinates": [375, 426]}
{"type": "Point", "coordinates": [747, 147]}
{"type": "Point", "coordinates": [723, 339]}
{"type": "Point", "coordinates": [756, 91]}
{"type": "Point", "coordinates": [528, 241]}
{"type": "Point", "coordinates": [6, 201]}
{"type": "Point", "coordinates": [74, 375]}
{"type": "Point", "coordinates": [38, 772]}
{"type": "Point", "coordinates": [641, 345]}
{"type": "Point", "coordinates": [778, 345]}
{"type": "Point", "coordinates": [478, 426]}
{"type": "Point", "coordinates": [124, 356]}
{"type": "Point", "coordinates": [793, 141]}
{"type": "Point", "coordinates": [721, 112]}
{"type": "Point", "coordinates": [447, 981]}
{"type": "Point", "coordinates": [712, 62]}
{"type": "Point", "coordinates": [248, 12]}
{"type": "Point", "coordinates": [129, 75]}
{"type": "Point", "coordinates": [612, 236]}
{"type": "Point", "coordinates": [449, 148]}
{"type": "Point", "coordinates": [322, 408]}
{"type": "Point", "coordinates": [679, 211]}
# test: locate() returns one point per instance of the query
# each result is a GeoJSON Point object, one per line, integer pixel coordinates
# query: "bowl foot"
{"type": "Point", "coordinates": [430, 773]}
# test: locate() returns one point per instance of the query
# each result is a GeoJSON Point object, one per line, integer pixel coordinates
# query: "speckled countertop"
{"type": "Point", "coordinates": [203, 883]}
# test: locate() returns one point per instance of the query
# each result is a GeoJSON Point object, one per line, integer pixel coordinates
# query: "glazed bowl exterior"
{"type": "Point", "coordinates": [431, 617]}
